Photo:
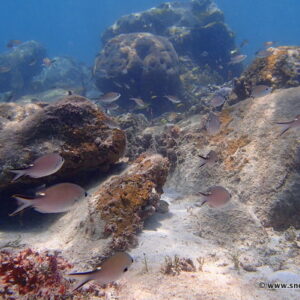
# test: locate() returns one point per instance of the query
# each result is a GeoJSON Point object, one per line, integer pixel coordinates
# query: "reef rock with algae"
{"type": "Point", "coordinates": [123, 202]}
{"type": "Point", "coordinates": [280, 69]}
{"type": "Point", "coordinates": [73, 126]}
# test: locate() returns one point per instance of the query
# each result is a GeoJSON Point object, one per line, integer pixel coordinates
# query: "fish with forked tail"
{"type": "Point", "coordinates": [289, 124]}
{"type": "Point", "coordinates": [55, 199]}
{"type": "Point", "coordinates": [216, 196]}
{"type": "Point", "coordinates": [110, 270]}
{"type": "Point", "coordinates": [43, 166]}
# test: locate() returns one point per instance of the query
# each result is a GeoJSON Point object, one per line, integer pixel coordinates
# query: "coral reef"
{"type": "Point", "coordinates": [124, 201]}
{"type": "Point", "coordinates": [195, 28]}
{"type": "Point", "coordinates": [63, 73]}
{"type": "Point", "coordinates": [73, 126]}
{"type": "Point", "coordinates": [18, 66]}
{"type": "Point", "coordinates": [280, 69]}
{"type": "Point", "coordinates": [139, 65]}
{"type": "Point", "coordinates": [31, 275]}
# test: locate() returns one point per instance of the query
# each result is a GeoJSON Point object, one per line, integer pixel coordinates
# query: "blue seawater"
{"type": "Point", "coordinates": [73, 27]}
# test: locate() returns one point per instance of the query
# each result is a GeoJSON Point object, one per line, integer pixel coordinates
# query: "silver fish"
{"type": "Point", "coordinates": [237, 59]}
{"type": "Point", "coordinates": [217, 100]}
{"type": "Point", "coordinates": [55, 199]}
{"type": "Point", "coordinates": [224, 91]}
{"type": "Point", "coordinates": [110, 270]}
{"type": "Point", "coordinates": [139, 102]}
{"type": "Point", "coordinates": [41, 167]}
{"type": "Point", "coordinates": [109, 97]}
{"type": "Point", "coordinates": [216, 196]}
{"type": "Point", "coordinates": [260, 91]}
{"type": "Point", "coordinates": [209, 159]}
{"type": "Point", "coordinates": [173, 99]}
{"type": "Point", "coordinates": [111, 124]}
{"type": "Point", "coordinates": [290, 124]}
{"type": "Point", "coordinates": [263, 53]}
{"type": "Point", "coordinates": [270, 43]}
{"type": "Point", "coordinates": [213, 124]}
{"type": "Point", "coordinates": [113, 106]}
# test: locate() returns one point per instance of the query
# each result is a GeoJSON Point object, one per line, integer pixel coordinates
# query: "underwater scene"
{"type": "Point", "coordinates": [150, 150]}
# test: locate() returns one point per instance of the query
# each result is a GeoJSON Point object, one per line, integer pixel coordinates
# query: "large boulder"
{"type": "Point", "coordinates": [195, 28]}
{"type": "Point", "coordinates": [64, 73]}
{"type": "Point", "coordinates": [120, 206]}
{"type": "Point", "coordinates": [138, 65]}
{"type": "Point", "coordinates": [19, 65]}
{"type": "Point", "coordinates": [73, 126]}
{"type": "Point", "coordinates": [280, 68]}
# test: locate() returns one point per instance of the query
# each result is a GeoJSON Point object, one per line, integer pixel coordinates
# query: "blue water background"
{"type": "Point", "coordinates": [73, 27]}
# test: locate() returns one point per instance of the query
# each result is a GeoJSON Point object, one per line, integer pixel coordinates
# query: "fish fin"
{"type": "Point", "coordinates": [83, 278]}
{"type": "Point", "coordinates": [203, 203]}
{"type": "Point", "coordinates": [18, 173]}
{"type": "Point", "coordinates": [25, 202]}
{"type": "Point", "coordinates": [202, 156]}
{"type": "Point", "coordinates": [203, 194]}
{"type": "Point", "coordinates": [286, 128]}
{"type": "Point", "coordinates": [284, 123]}
{"type": "Point", "coordinates": [203, 164]}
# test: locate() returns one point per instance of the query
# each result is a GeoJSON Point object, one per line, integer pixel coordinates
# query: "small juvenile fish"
{"type": "Point", "coordinates": [263, 53]}
{"type": "Point", "coordinates": [13, 43]}
{"type": "Point", "coordinates": [111, 124]}
{"type": "Point", "coordinates": [216, 196]}
{"type": "Point", "coordinates": [209, 159]}
{"type": "Point", "coordinates": [260, 91]}
{"type": "Point", "coordinates": [4, 69]}
{"type": "Point", "coordinates": [110, 270]}
{"type": "Point", "coordinates": [244, 43]}
{"type": "Point", "coordinates": [55, 199]}
{"type": "Point", "coordinates": [43, 166]}
{"type": "Point", "coordinates": [217, 100]}
{"type": "Point", "coordinates": [290, 124]}
{"type": "Point", "coordinates": [173, 99]}
{"type": "Point", "coordinates": [47, 62]}
{"type": "Point", "coordinates": [139, 102]}
{"type": "Point", "coordinates": [213, 124]}
{"type": "Point", "coordinates": [237, 59]}
{"type": "Point", "coordinates": [269, 43]}
{"type": "Point", "coordinates": [113, 106]}
{"type": "Point", "coordinates": [109, 97]}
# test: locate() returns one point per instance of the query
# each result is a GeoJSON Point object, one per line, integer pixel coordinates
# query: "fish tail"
{"type": "Point", "coordinates": [203, 203]}
{"type": "Point", "coordinates": [24, 203]}
{"type": "Point", "coordinates": [18, 173]}
{"type": "Point", "coordinates": [83, 279]}
{"type": "Point", "coordinates": [286, 128]}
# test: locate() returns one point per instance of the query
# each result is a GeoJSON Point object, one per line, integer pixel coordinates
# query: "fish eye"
{"type": "Point", "coordinates": [132, 260]}
{"type": "Point", "coordinates": [86, 194]}
{"type": "Point", "coordinates": [125, 270]}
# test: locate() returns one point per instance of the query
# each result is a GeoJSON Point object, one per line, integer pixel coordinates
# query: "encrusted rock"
{"type": "Point", "coordinates": [280, 69]}
{"type": "Point", "coordinates": [195, 28]}
{"type": "Point", "coordinates": [139, 65]}
{"type": "Point", "coordinates": [73, 126]}
{"type": "Point", "coordinates": [19, 65]}
{"type": "Point", "coordinates": [124, 201]}
{"type": "Point", "coordinates": [63, 73]}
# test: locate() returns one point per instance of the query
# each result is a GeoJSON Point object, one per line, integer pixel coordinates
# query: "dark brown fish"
{"type": "Point", "coordinates": [13, 43]}
{"type": "Point", "coordinates": [209, 159]}
{"type": "Point", "coordinates": [55, 199]}
{"type": "Point", "coordinates": [109, 97]}
{"type": "Point", "coordinates": [216, 196]}
{"type": "Point", "coordinates": [110, 270]}
{"type": "Point", "coordinates": [290, 124]}
{"type": "Point", "coordinates": [213, 124]}
{"type": "Point", "coordinates": [173, 99]}
{"type": "Point", "coordinates": [41, 167]}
